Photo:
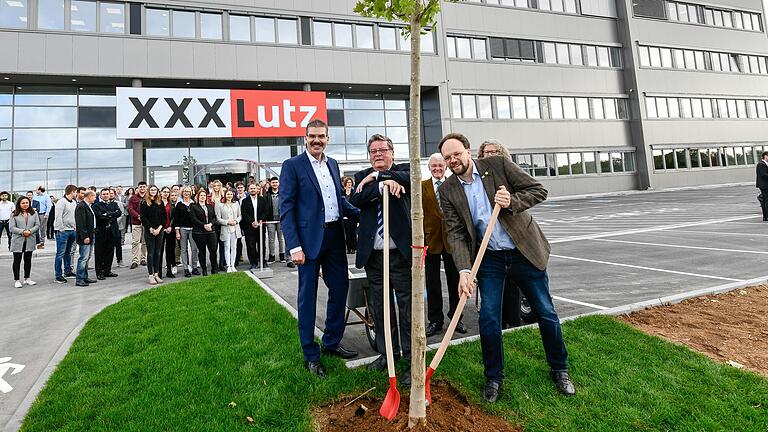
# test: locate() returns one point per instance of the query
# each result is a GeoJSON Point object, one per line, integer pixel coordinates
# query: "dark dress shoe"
{"type": "Point", "coordinates": [134, 265]}
{"type": "Point", "coordinates": [170, 275]}
{"type": "Point", "coordinates": [380, 363]}
{"type": "Point", "coordinates": [90, 281]}
{"type": "Point", "coordinates": [315, 368]}
{"type": "Point", "coordinates": [291, 264]}
{"type": "Point", "coordinates": [461, 328]}
{"type": "Point", "coordinates": [433, 329]}
{"type": "Point", "coordinates": [340, 351]}
{"type": "Point", "coordinates": [100, 277]}
{"type": "Point", "coordinates": [81, 283]}
{"type": "Point", "coordinates": [563, 382]}
{"type": "Point", "coordinates": [187, 273]}
{"type": "Point", "coordinates": [491, 391]}
{"type": "Point", "coordinates": [196, 271]}
{"type": "Point", "coordinates": [110, 274]}
{"type": "Point", "coordinates": [143, 262]}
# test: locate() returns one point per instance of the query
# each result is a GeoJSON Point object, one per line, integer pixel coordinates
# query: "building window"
{"type": "Point", "coordinates": [387, 38]}
{"type": "Point", "coordinates": [210, 26]}
{"type": "Point", "coordinates": [13, 14]}
{"type": "Point", "coordinates": [157, 22]}
{"type": "Point", "coordinates": [343, 35]}
{"type": "Point", "coordinates": [82, 16]}
{"type": "Point", "coordinates": [287, 31]}
{"type": "Point", "coordinates": [239, 28]}
{"type": "Point", "coordinates": [364, 36]}
{"type": "Point", "coordinates": [112, 17]}
{"type": "Point", "coordinates": [265, 29]}
{"type": "Point", "coordinates": [322, 33]}
{"type": "Point", "coordinates": [183, 24]}
{"type": "Point", "coordinates": [50, 14]}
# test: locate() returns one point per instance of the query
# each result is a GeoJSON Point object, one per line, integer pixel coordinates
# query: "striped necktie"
{"type": "Point", "coordinates": [437, 189]}
{"type": "Point", "coordinates": [380, 221]}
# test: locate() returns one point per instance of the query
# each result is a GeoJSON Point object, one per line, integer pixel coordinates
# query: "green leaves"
{"type": "Point", "coordinates": [400, 10]}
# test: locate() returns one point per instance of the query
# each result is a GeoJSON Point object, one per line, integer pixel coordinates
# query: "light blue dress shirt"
{"type": "Point", "coordinates": [481, 208]}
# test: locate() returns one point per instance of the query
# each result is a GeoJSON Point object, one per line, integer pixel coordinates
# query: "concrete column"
{"type": "Point", "coordinates": [139, 171]}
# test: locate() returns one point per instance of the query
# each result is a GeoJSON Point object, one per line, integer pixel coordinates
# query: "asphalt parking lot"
{"type": "Point", "coordinates": [606, 252]}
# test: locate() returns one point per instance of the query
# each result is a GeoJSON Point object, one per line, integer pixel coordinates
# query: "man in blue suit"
{"type": "Point", "coordinates": [311, 212]}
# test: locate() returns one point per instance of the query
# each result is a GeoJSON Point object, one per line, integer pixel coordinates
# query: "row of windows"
{"type": "Point", "coordinates": [362, 36]}
{"type": "Point", "coordinates": [695, 158]}
{"type": "Point", "coordinates": [59, 179]}
{"type": "Point", "coordinates": [526, 50]}
{"type": "Point", "coordinates": [707, 108]}
{"type": "Point", "coordinates": [83, 16]}
{"type": "Point", "coordinates": [538, 107]}
{"type": "Point", "coordinates": [575, 163]}
{"type": "Point", "coordinates": [567, 6]}
{"type": "Point", "coordinates": [691, 13]}
{"type": "Point", "coordinates": [57, 96]}
{"type": "Point", "coordinates": [672, 58]}
{"type": "Point", "coordinates": [697, 14]}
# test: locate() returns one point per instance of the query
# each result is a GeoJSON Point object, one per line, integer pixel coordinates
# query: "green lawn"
{"type": "Point", "coordinates": [174, 358]}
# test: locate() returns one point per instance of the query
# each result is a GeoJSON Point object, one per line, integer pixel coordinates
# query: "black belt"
{"type": "Point", "coordinates": [332, 223]}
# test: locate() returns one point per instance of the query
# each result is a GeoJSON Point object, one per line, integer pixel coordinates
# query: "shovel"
{"type": "Point", "coordinates": [462, 301]}
{"type": "Point", "coordinates": [391, 403]}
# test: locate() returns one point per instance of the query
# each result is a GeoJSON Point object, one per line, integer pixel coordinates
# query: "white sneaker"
{"type": "Point", "coordinates": [157, 278]}
{"type": "Point", "coordinates": [234, 269]}
{"type": "Point", "coordinates": [29, 282]}
{"type": "Point", "coordinates": [174, 270]}
{"type": "Point", "coordinates": [17, 284]}
{"type": "Point", "coordinates": [152, 280]}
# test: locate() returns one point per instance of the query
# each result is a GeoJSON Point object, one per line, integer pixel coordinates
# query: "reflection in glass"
{"type": "Point", "coordinates": [210, 26]}
{"type": "Point", "coordinates": [360, 152]}
{"type": "Point", "coordinates": [25, 160]}
{"type": "Point", "coordinates": [287, 31]}
{"type": "Point", "coordinates": [57, 179]}
{"type": "Point", "coordinates": [265, 29]}
{"type": "Point", "coordinates": [396, 118]}
{"type": "Point", "coordinates": [338, 152]}
{"type": "Point", "coordinates": [5, 165]}
{"type": "Point", "coordinates": [336, 135]}
{"type": "Point", "coordinates": [7, 139]}
{"type": "Point", "coordinates": [502, 107]}
{"type": "Point", "coordinates": [99, 138]}
{"type": "Point", "coordinates": [361, 103]}
{"type": "Point", "coordinates": [45, 116]}
{"type": "Point", "coordinates": [13, 14]}
{"type": "Point", "coordinates": [364, 36]}
{"type": "Point", "coordinates": [363, 118]}
{"type": "Point", "coordinates": [398, 134]}
{"type": "Point", "coordinates": [112, 17]}
{"type": "Point", "coordinates": [356, 135]}
{"type": "Point", "coordinates": [82, 16]}
{"type": "Point", "coordinates": [50, 14]}
{"type": "Point", "coordinates": [590, 166]}
{"type": "Point", "coordinates": [165, 156]}
{"type": "Point", "coordinates": [562, 164]}
{"type": "Point", "coordinates": [106, 177]}
{"type": "Point", "coordinates": [183, 24]}
{"type": "Point", "coordinates": [6, 117]}
{"type": "Point", "coordinates": [105, 158]}
{"type": "Point", "coordinates": [322, 33]}
{"type": "Point", "coordinates": [682, 162]}
{"type": "Point", "coordinates": [42, 95]}
{"type": "Point", "coordinates": [157, 22]}
{"type": "Point", "coordinates": [239, 28]}
{"type": "Point", "coordinates": [45, 138]}
{"type": "Point", "coordinates": [343, 35]}
{"type": "Point", "coordinates": [387, 38]}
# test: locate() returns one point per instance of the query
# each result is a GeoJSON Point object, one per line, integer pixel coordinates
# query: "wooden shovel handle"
{"type": "Point", "coordinates": [385, 290]}
{"type": "Point", "coordinates": [463, 300]}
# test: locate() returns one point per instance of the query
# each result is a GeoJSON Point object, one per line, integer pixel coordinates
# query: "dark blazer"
{"type": "Point", "coordinates": [302, 212]}
{"type": "Point", "coordinates": [270, 209]}
{"type": "Point", "coordinates": [201, 216]}
{"type": "Point", "coordinates": [106, 217]}
{"type": "Point", "coordinates": [435, 233]}
{"type": "Point", "coordinates": [246, 211]}
{"type": "Point", "coordinates": [152, 216]}
{"type": "Point", "coordinates": [368, 199]}
{"type": "Point", "coordinates": [84, 223]}
{"type": "Point", "coordinates": [762, 175]}
{"type": "Point", "coordinates": [181, 215]}
{"type": "Point", "coordinates": [526, 192]}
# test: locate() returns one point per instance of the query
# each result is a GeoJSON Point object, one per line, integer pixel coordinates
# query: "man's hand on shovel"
{"type": "Point", "coordinates": [466, 284]}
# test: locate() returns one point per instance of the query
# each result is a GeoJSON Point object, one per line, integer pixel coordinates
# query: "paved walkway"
{"type": "Point", "coordinates": [608, 251]}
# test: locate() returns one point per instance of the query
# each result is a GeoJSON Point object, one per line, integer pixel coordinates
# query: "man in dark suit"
{"type": "Point", "coordinates": [85, 226]}
{"type": "Point", "coordinates": [254, 210]}
{"type": "Point", "coordinates": [762, 182]}
{"type": "Point", "coordinates": [371, 243]}
{"type": "Point", "coordinates": [106, 224]}
{"type": "Point", "coordinates": [311, 213]}
{"type": "Point", "coordinates": [435, 237]}
{"type": "Point", "coordinates": [517, 249]}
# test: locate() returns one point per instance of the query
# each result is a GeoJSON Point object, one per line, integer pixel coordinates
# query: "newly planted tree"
{"type": "Point", "coordinates": [419, 15]}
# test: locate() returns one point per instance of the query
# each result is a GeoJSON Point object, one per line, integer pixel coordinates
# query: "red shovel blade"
{"type": "Point", "coordinates": [391, 403]}
{"type": "Point", "coordinates": [430, 371]}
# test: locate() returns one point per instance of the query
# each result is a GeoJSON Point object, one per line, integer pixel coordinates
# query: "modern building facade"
{"type": "Point", "coordinates": [588, 95]}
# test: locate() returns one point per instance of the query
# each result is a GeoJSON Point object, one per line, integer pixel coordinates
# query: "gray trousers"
{"type": "Point", "coordinates": [400, 284]}
{"type": "Point", "coordinates": [188, 245]}
{"type": "Point", "coordinates": [275, 230]}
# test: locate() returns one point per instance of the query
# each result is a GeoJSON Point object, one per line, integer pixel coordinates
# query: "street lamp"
{"type": "Point", "coordinates": [46, 171]}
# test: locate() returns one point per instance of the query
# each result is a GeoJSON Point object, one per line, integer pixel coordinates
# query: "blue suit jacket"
{"type": "Point", "coordinates": [302, 212]}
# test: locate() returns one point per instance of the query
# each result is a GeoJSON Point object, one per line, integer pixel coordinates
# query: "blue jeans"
{"type": "Point", "coordinates": [534, 283]}
{"type": "Point", "coordinates": [64, 241]}
{"type": "Point", "coordinates": [82, 262]}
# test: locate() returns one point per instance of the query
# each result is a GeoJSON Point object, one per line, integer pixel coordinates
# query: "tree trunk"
{"type": "Point", "coordinates": [417, 413]}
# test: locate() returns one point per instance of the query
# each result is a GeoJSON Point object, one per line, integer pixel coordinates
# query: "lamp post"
{"type": "Point", "coordinates": [46, 171]}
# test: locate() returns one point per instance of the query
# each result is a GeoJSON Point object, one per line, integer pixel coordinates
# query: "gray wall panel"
{"type": "Point", "coordinates": [204, 60]}
{"type": "Point", "coordinates": [9, 51]}
{"type": "Point", "coordinates": [58, 54]}
{"type": "Point", "coordinates": [111, 56]}
{"type": "Point", "coordinates": [225, 61]}
{"type": "Point", "coordinates": [182, 59]}
{"type": "Point", "coordinates": [158, 58]}
{"type": "Point", "coordinates": [693, 35]}
{"type": "Point", "coordinates": [136, 54]}
{"type": "Point", "coordinates": [672, 82]}
{"type": "Point", "coordinates": [30, 48]}
{"type": "Point", "coordinates": [86, 51]}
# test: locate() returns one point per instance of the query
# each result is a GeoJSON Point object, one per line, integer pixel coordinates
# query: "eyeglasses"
{"type": "Point", "coordinates": [449, 158]}
{"type": "Point", "coordinates": [379, 151]}
{"type": "Point", "coordinates": [492, 152]}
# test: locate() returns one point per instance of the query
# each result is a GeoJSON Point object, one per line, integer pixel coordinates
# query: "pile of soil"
{"type": "Point", "coordinates": [449, 412]}
{"type": "Point", "coordinates": [728, 327]}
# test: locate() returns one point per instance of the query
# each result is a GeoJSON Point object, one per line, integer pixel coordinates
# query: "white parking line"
{"type": "Point", "coordinates": [646, 268]}
{"type": "Point", "coordinates": [721, 233]}
{"type": "Point", "coordinates": [579, 303]}
{"type": "Point", "coordinates": [649, 229]}
{"type": "Point", "coordinates": [683, 246]}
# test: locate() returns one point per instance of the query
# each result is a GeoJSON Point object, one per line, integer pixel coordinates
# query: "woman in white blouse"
{"type": "Point", "coordinates": [228, 216]}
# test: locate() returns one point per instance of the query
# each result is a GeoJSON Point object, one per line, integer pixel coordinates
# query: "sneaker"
{"type": "Point", "coordinates": [120, 264]}
{"type": "Point", "coordinates": [174, 270]}
{"type": "Point", "coordinates": [271, 259]}
{"type": "Point", "coordinates": [187, 273]}
{"type": "Point", "coordinates": [61, 280]}
{"type": "Point", "coordinates": [70, 275]}
{"type": "Point", "coordinates": [157, 278]}
{"type": "Point", "coordinates": [29, 282]}
{"type": "Point", "coordinates": [17, 284]}
{"type": "Point", "coordinates": [152, 280]}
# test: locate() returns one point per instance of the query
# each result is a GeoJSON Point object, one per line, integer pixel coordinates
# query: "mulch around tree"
{"type": "Point", "coordinates": [729, 327]}
{"type": "Point", "coordinates": [449, 412]}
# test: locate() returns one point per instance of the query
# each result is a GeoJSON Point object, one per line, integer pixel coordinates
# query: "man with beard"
{"type": "Point", "coordinates": [106, 232]}
{"type": "Point", "coordinates": [311, 212]}
{"type": "Point", "coordinates": [254, 210]}
{"type": "Point", "coordinates": [517, 249]}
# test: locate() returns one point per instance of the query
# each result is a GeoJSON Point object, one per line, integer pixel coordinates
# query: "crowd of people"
{"type": "Point", "coordinates": [185, 227]}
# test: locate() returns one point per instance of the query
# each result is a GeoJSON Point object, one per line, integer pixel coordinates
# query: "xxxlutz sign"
{"type": "Point", "coordinates": [201, 113]}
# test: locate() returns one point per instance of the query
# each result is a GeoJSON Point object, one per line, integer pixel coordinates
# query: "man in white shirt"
{"type": "Point", "coordinates": [6, 209]}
